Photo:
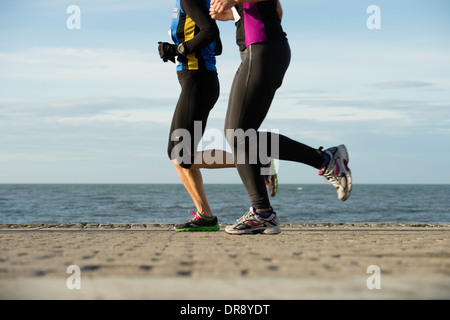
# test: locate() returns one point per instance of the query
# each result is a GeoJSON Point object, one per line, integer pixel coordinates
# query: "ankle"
{"type": "Point", "coordinates": [206, 215]}
{"type": "Point", "coordinates": [326, 160]}
{"type": "Point", "coordinates": [270, 209]}
{"type": "Point", "coordinates": [265, 213]}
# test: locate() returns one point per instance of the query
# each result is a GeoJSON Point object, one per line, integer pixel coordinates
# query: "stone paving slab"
{"type": "Point", "coordinates": [151, 261]}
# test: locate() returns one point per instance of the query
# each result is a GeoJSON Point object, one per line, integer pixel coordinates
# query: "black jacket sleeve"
{"type": "Point", "coordinates": [199, 13]}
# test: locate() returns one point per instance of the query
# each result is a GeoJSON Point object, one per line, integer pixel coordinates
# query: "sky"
{"type": "Point", "coordinates": [94, 104]}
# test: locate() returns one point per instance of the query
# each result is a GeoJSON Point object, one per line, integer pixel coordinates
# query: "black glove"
{"type": "Point", "coordinates": [167, 51]}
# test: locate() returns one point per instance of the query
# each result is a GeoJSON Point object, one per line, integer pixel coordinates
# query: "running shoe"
{"type": "Point", "coordinates": [337, 171]}
{"type": "Point", "coordinates": [271, 179]}
{"type": "Point", "coordinates": [251, 222]}
{"type": "Point", "coordinates": [199, 223]}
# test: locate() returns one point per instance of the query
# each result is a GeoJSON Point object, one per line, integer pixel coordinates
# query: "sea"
{"type": "Point", "coordinates": [170, 203]}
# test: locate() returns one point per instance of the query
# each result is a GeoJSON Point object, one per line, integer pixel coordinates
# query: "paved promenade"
{"type": "Point", "coordinates": [151, 261]}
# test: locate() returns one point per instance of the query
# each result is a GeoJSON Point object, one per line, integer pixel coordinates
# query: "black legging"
{"type": "Point", "coordinates": [260, 74]}
{"type": "Point", "coordinates": [199, 93]}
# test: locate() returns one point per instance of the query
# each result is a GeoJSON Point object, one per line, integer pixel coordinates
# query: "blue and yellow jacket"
{"type": "Point", "coordinates": [192, 25]}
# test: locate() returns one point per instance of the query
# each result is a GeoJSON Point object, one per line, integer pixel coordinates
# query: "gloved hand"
{"type": "Point", "coordinates": [167, 51]}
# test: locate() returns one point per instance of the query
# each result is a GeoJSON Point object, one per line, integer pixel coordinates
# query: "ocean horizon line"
{"type": "Point", "coordinates": [215, 183]}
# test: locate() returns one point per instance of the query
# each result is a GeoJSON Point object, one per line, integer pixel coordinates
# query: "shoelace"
{"type": "Point", "coordinates": [246, 215]}
{"type": "Point", "coordinates": [329, 174]}
{"type": "Point", "coordinates": [197, 217]}
{"type": "Point", "coordinates": [332, 179]}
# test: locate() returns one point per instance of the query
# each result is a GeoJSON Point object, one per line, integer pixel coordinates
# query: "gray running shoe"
{"type": "Point", "coordinates": [251, 222]}
{"type": "Point", "coordinates": [337, 171]}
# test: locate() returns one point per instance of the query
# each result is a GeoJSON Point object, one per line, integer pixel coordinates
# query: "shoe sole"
{"type": "Point", "coordinates": [349, 187]}
{"type": "Point", "coordinates": [273, 174]}
{"type": "Point", "coordinates": [343, 164]}
{"type": "Point", "coordinates": [272, 230]}
{"type": "Point", "coordinates": [273, 192]}
{"type": "Point", "coordinates": [214, 228]}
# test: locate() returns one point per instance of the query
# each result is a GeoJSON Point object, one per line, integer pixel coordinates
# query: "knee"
{"type": "Point", "coordinates": [180, 156]}
{"type": "Point", "coordinates": [232, 134]}
{"type": "Point", "coordinates": [181, 164]}
{"type": "Point", "coordinates": [240, 137]}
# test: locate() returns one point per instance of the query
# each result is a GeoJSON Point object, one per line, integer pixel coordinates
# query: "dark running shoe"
{"type": "Point", "coordinates": [198, 223]}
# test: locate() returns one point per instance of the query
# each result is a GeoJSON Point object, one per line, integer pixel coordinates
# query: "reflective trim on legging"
{"type": "Point", "coordinates": [260, 74]}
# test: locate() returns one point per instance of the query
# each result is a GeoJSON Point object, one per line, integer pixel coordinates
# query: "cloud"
{"type": "Point", "coordinates": [86, 112]}
{"type": "Point", "coordinates": [340, 114]}
{"type": "Point", "coordinates": [53, 73]}
{"type": "Point", "coordinates": [322, 106]}
{"type": "Point", "coordinates": [74, 135]}
{"type": "Point", "coordinates": [388, 116]}
{"type": "Point", "coordinates": [402, 84]}
{"type": "Point", "coordinates": [123, 116]}
{"type": "Point", "coordinates": [81, 64]}
{"type": "Point", "coordinates": [110, 5]}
